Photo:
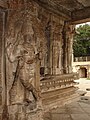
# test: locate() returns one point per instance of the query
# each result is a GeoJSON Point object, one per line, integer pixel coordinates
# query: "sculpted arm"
{"type": "Point", "coordinates": [13, 52]}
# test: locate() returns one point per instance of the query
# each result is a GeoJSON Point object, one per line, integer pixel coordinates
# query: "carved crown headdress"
{"type": "Point", "coordinates": [27, 26]}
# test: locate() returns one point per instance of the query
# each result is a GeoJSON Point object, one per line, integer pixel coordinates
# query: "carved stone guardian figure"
{"type": "Point", "coordinates": [24, 52]}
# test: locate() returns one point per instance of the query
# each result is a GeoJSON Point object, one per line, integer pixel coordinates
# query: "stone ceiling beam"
{"type": "Point", "coordinates": [81, 16]}
{"type": "Point", "coordinates": [52, 7]}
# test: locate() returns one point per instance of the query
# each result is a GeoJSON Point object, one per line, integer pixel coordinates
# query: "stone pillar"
{"type": "Point", "coordinates": [57, 42]}
{"type": "Point", "coordinates": [51, 53]}
{"type": "Point", "coordinates": [48, 69]}
{"type": "Point", "coordinates": [3, 86]}
{"type": "Point", "coordinates": [61, 47]}
{"type": "Point", "coordinates": [1, 32]}
{"type": "Point", "coordinates": [64, 47]}
{"type": "Point", "coordinates": [37, 76]}
{"type": "Point", "coordinates": [68, 32]}
{"type": "Point", "coordinates": [88, 71]}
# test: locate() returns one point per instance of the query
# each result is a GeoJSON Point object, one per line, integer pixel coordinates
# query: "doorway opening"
{"type": "Point", "coordinates": [83, 73]}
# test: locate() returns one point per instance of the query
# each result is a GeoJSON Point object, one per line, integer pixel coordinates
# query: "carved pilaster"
{"type": "Point", "coordinates": [3, 83]}
{"type": "Point", "coordinates": [25, 49]}
{"type": "Point", "coordinates": [57, 26]}
{"type": "Point", "coordinates": [1, 33]}
{"type": "Point", "coordinates": [68, 32]}
{"type": "Point", "coordinates": [64, 47]}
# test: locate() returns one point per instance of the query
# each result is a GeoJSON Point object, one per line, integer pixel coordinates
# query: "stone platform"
{"type": "Point", "coordinates": [78, 110]}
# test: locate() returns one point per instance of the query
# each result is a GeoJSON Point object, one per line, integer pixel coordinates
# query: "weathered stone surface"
{"type": "Point", "coordinates": [35, 39]}
{"type": "Point", "coordinates": [76, 10]}
{"type": "Point", "coordinates": [81, 93]}
{"type": "Point", "coordinates": [35, 116]}
{"type": "Point", "coordinates": [65, 8]}
{"type": "Point", "coordinates": [0, 116]}
{"type": "Point", "coordinates": [1, 29]}
{"type": "Point", "coordinates": [3, 4]}
{"type": "Point", "coordinates": [1, 109]}
{"type": "Point", "coordinates": [80, 16]}
{"type": "Point", "coordinates": [76, 110]}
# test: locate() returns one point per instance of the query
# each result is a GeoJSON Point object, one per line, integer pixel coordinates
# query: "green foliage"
{"type": "Point", "coordinates": [81, 46]}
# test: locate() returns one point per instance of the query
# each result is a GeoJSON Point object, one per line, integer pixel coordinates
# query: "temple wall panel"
{"type": "Point", "coordinates": [49, 20]}
{"type": "Point", "coordinates": [36, 45]}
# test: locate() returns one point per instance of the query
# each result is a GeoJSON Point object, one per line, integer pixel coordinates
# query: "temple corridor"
{"type": "Point", "coordinates": [36, 41]}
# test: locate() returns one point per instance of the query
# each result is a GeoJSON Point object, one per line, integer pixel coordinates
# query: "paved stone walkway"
{"type": "Point", "coordinates": [77, 110]}
{"type": "Point", "coordinates": [83, 85]}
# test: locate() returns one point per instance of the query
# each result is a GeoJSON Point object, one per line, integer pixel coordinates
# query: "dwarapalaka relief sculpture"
{"type": "Point", "coordinates": [25, 46]}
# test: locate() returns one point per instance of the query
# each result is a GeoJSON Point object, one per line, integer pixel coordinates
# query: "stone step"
{"type": "Point", "coordinates": [58, 97]}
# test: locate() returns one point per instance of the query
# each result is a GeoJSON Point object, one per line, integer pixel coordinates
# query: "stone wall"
{"type": "Point", "coordinates": [37, 44]}
{"type": "Point", "coordinates": [2, 67]}
{"type": "Point", "coordinates": [1, 29]}
{"type": "Point", "coordinates": [0, 64]}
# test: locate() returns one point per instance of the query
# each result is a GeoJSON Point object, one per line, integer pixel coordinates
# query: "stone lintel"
{"type": "Point", "coordinates": [81, 16]}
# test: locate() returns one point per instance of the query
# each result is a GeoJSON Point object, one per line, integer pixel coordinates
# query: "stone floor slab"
{"type": "Point", "coordinates": [87, 110]}
{"type": "Point", "coordinates": [84, 105]}
{"type": "Point", "coordinates": [80, 117]}
{"type": "Point", "coordinates": [75, 110]}
{"type": "Point", "coordinates": [72, 104]}
{"type": "Point", "coordinates": [61, 110]}
{"type": "Point", "coordinates": [60, 117]}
